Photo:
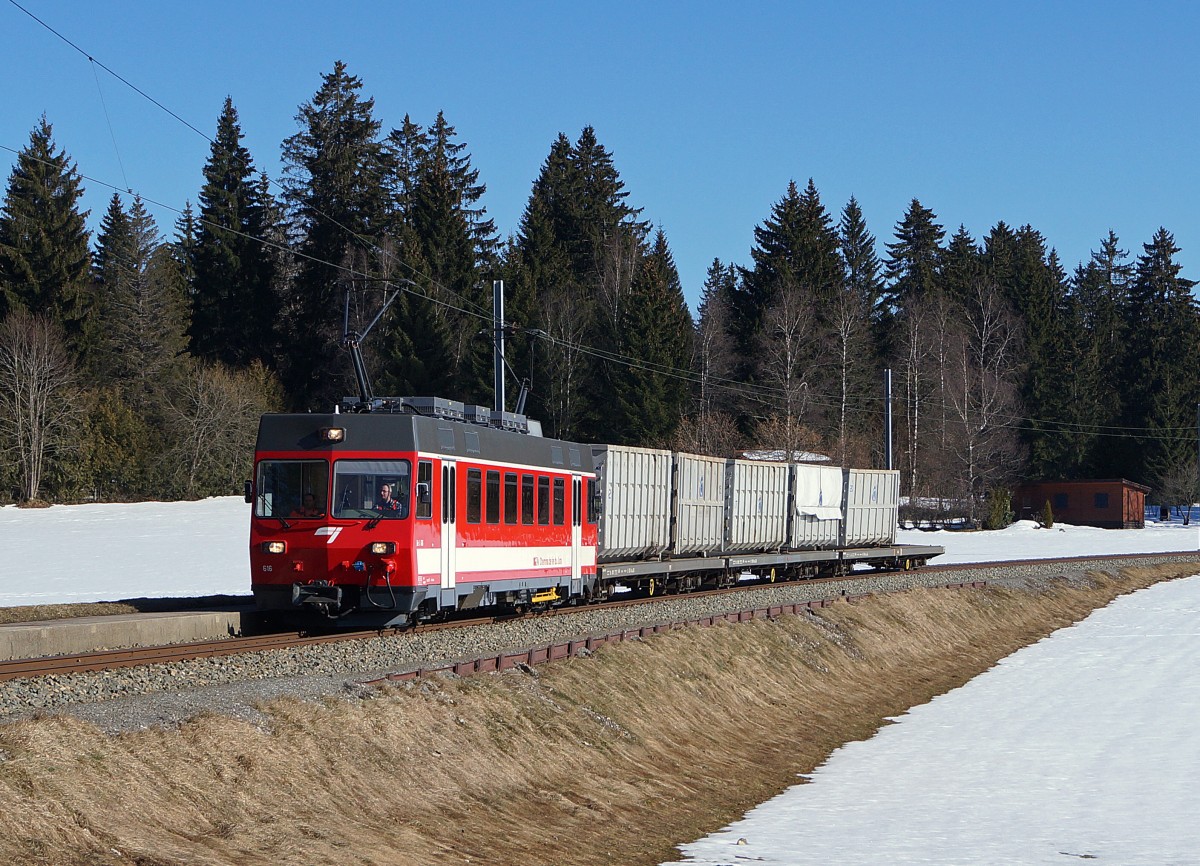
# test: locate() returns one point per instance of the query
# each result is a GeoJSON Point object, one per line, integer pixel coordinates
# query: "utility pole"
{"type": "Point", "coordinates": [887, 418]}
{"type": "Point", "coordinates": [498, 341]}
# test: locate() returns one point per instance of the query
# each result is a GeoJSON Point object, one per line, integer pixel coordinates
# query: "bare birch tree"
{"type": "Point", "coordinates": [565, 322]}
{"type": "Point", "coordinates": [788, 360]}
{"type": "Point", "coordinates": [982, 396]}
{"type": "Point", "coordinates": [37, 409]}
{"type": "Point", "coordinates": [213, 416]}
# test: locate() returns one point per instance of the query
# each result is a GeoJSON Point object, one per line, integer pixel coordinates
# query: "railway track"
{"type": "Point", "coordinates": [958, 576]}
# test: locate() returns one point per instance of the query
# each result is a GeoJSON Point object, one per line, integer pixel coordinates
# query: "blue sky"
{"type": "Point", "coordinates": [1073, 117]}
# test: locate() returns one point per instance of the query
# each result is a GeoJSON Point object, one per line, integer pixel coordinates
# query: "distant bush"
{"type": "Point", "coordinates": [1047, 515]}
{"type": "Point", "coordinates": [999, 510]}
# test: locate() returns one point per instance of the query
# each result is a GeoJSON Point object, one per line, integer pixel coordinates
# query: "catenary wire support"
{"type": "Point", "coordinates": [498, 342]}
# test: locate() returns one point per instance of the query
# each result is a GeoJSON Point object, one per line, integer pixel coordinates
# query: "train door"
{"type": "Point", "coordinates": [576, 534]}
{"type": "Point", "coordinates": [449, 540]}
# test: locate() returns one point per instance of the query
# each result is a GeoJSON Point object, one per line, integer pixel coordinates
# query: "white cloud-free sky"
{"type": "Point", "coordinates": [1075, 117]}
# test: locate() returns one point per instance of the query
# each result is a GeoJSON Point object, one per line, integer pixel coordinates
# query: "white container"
{"type": "Point", "coordinates": [756, 499]}
{"type": "Point", "coordinates": [817, 515]}
{"type": "Point", "coordinates": [872, 507]}
{"type": "Point", "coordinates": [635, 502]}
{"type": "Point", "coordinates": [698, 500]}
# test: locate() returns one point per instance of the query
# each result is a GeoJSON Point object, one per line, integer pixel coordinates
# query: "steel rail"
{"type": "Point", "coordinates": [131, 657]}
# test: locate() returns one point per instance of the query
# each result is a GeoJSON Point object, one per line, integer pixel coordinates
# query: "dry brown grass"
{"type": "Point", "coordinates": [611, 759]}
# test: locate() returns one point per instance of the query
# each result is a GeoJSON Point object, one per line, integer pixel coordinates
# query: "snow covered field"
{"type": "Point", "coordinates": [106, 552]}
{"type": "Point", "coordinates": [1079, 747]}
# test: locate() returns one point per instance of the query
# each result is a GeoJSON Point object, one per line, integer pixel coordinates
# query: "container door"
{"type": "Point", "coordinates": [576, 533]}
{"type": "Point", "coordinates": [449, 540]}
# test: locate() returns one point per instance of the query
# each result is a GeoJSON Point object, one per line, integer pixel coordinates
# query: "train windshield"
{"type": "Point", "coordinates": [371, 488]}
{"type": "Point", "coordinates": [292, 488]}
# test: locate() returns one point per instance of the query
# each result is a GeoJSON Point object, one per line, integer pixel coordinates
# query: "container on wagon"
{"type": "Point", "coordinates": [872, 507]}
{"type": "Point", "coordinates": [698, 501]}
{"type": "Point", "coordinates": [634, 487]}
{"type": "Point", "coordinates": [756, 500]}
{"type": "Point", "coordinates": [817, 513]}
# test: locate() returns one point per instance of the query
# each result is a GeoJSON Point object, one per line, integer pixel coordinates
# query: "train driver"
{"type": "Point", "coordinates": [385, 503]}
{"type": "Point", "coordinates": [308, 507]}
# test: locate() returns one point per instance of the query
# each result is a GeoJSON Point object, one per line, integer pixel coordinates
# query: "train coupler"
{"type": "Point", "coordinates": [322, 595]}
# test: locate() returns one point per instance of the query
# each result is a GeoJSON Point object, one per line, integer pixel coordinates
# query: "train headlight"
{"type": "Point", "coordinates": [274, 547]}
{"type": "Point", "coordinates": [333, 434]}
{"type": "Point", "coordinates": [383, 548]}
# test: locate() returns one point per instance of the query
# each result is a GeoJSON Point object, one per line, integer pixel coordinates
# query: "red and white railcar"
{"type": "Point", "coordinates": [402, 513]}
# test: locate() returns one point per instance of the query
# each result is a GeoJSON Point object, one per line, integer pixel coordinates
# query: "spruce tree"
{"type": "Point", "coordinates": [144, 312]}
{"type": "Point", "coordinates": [714, 355]}
{"type": "Point", "coordinates": [962, 268]}
{"type": "Point", "coordinates": [574, 261]}
{"type": "Point", "coordinates": [44, 259]}
{"type": "Point", "coordinates": [1100, 292]}
{"type": "Point", "coordinates": [651, 389]}
{"type": "Point", "coordinates": [1159, 385]}
{"type": "Point", "coordinates": [335, 172]}
{"type": "Point", "coordinates": [860, 261]}
{"type": "Point", "coordinates": [796, 249]}
{"type": "Point", "coordinates": [914, 260]}
{"type": "Point", "coordinates": [458, 246]}
{"type": "Point", "coordinates": [233, 301]}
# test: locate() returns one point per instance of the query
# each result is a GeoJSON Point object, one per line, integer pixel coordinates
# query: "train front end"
{"type": "Point", "coordinates": [331, 532]}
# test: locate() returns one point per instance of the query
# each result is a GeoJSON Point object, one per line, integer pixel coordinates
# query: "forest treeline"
{"type": "Point", "coordinates": [135, 364]}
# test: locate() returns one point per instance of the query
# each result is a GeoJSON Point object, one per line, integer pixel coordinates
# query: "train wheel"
{"type": "Point", "coordinates": [772, 577]}
{"type": "Point", "coordinates": [650, 587]}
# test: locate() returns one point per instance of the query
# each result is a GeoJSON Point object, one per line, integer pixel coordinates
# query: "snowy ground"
{"type": "Point", "coordinates": [106, 552]}
{"type": "Point", "coordinates": [1079, 747]}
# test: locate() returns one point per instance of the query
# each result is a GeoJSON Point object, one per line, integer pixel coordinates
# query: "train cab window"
{"type": "Point", "coordinates": [371, 489]}
{"type": "Point", "coordinates": [543, 500]}
{"type": "Point", "coordinates": [593, 501]}
{"type": "Point", "coordinates": [527, 500]}
{"type": "Point", "coordinates": [474, 495]}
{"type": "Point", "coordinates": [292, 489]}
{"type": "Point", "coordinates": [510, 498]}
{"type": "Point", "coordinates": [424, 489]}
{"type": "Point", "coordinates": [492, 498]}
{"type": "Point", "coordinates": [560, 495]}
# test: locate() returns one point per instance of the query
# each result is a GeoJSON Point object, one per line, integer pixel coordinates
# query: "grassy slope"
{"type": "Point", "coordinates": [610, 759]}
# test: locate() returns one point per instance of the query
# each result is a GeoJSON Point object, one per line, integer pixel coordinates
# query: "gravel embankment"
{"type": "Point", "coordinates": [166, 694]}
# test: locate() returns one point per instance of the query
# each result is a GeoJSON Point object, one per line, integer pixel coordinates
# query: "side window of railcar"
{"type": "Point", "coordinates": [543, 500]}
{"type": "Point", "coordinates": [291, 488]}
{"type": "Point", "coordinates": [560, 495]}
{"type": "Point", "coordinates": [527, 499]}
{"type": "Point", "coordinates": [425, 489]}
{"type": "Point", "coordinates": [593, 501]}
{"type": "Point", "coordinates": [474, 495]}
{"type": "Point", "coordinates": [493, 496]}
{"type": "Point", "coordinates": [371, 489]}
{"type": "Point", "coordinates": [510, 498]}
